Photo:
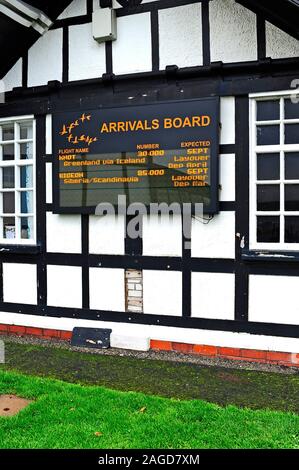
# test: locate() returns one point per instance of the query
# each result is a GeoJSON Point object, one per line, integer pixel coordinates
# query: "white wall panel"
{"type": "Point", "coordinates": [180, 36]}
{"type": "Point", "coordinates": [213, 295]}
{"type": "Point", "coordinates": [49, 195]}
{"type": "Point", "coordinates": [13, 78]}
{"type": "Point", "coordinates": [116, 4]}
{"type": "Point", "coordinates": [64, 287]}
{"type": "Point", "coordinates": [227, 177]}
{"type": "Point", "coordinates": [63, 233]}
{"type": "Point", "coordinates": [132, 49]}
{"type": "Point", "coordinates": [76, 8]}
{"type": "Point", "coordinates": [227, 119]}
{"type": "Point", "coordinates": [232, 32]}
{"type": "Point", "coordinates": [162, 292]}
{"type": "Point", "coordinates": [162, 235]}
{"type": "Point", "coordinates": [107, 289]}
{"type": "Point", "coordinates": [107, 235]}
{"type": "Point", "coordinates": [279, 44]}
{"type": "Point", "coordinates": [86, 56]}
{"type": "Point", "coordinates": [274, 299]}
{"type": "Point", "coordinates": [20, 283]}
{"type": "Point", "coordinates": [45, 59]}
{"type": "Point", "coordinates": [215, 239]}
{"type": "Point", "coordinates": [49, 133]}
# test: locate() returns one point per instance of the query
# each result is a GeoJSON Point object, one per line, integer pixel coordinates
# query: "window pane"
{"type": "Point", "coordinates": [8, 132]}
{"type": "Point", "coordinates": [268, 135]}
{"type": "Point", "coordinates": [291, 109]}
{"type": "Point", "coordinates": [268, 110]}
{"type": "Point", "coordinates": [291, 231]}
{"type": "Point", "coordinates": [292, 133]}
{"type": "Point", "coordinates": [26, 151]}
{"type": "Point", "coordinates": [268, 197]}
{"type": "Point", "coordinates": [268, 166]}
{"type": "Point", "coordinates": [26, 130]}
{"type": "Point", "coordinates": [8, 152]}
{"type": "Point", "coordinates": [268, 229]}
{"type": "Point", "coordinates": [26, 202]}
{"type": "Point", "coordinates": [9, 227]}
{"type": "Point", "coordinates": [8, 203]}
{"type": "Point", "coordinates": [8, 177]}
{"type": "Point", "coordinates": [26, 227]}
{"type": "Point", "coordinates": [26, 177]}
{"type": "Point", "coordinates": [291, 165]}
{"type": "Point", "coordinates": [291, 195]}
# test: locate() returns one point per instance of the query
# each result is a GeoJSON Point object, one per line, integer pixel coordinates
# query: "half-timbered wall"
{"type": "Point", "coordinates": [79, 271]}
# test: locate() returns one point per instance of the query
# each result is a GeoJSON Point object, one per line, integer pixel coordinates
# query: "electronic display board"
{"type": "Point", "coordinates": [151, 153]}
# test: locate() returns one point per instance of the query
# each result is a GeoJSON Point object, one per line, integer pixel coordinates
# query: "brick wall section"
{"type": "Point", "coordinates": [38, 332]}
{"type": "Point", "coordinates": [134, 290]}
{"type": "Point", "coordinates": [250, 355]}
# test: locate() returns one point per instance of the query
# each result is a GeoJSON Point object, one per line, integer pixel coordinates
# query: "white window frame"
{"type": "Point", "coordinates": [253, 182]}
{"type": "Point", "coordinates": [17, 162]}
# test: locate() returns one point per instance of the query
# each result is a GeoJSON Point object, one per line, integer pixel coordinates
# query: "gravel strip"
{"type": "Point", "coordinates": [154, 355]}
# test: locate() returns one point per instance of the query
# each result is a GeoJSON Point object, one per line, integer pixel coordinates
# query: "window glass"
{"type": "Point", "coordinates": [268, 197]}
{"type": "Point", "coordinates": [8, 177]}
{"type": "Point", "coordinates": [291, 109]}
{"type": "Point", "coordinates": [291, 160]}
{"type": "Point", "coordinates": [291, 197]}
{"type": "Point", "coordinates": [292, 133]}
{"type": "Point", "coordinates": [268, 110]}
{"type": "Point", "coordinates": [8, 132]}
{"type": "Point", "coordinates": [268, 229]}
{"type": "Point", "coordinates": [8, 152]}
{"type": "Point", "coordinates": [268, 166]}
{"type": "Point", "coordinates": [291, 229]}
{"type": "Point", "coordinates": [268, 135]}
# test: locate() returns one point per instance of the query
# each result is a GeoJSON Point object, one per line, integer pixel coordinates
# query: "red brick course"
{"type": "Point", "coordinates": [33, 331]}
{"type": "Point", "coordinates": [239, 354]}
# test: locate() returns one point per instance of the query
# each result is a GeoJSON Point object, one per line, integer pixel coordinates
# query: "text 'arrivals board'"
{"type": "Point", "coordinates": [151, 153]}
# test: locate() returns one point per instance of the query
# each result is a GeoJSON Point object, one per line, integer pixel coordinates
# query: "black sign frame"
{"type": "Point", "coordinates": [211, 208]}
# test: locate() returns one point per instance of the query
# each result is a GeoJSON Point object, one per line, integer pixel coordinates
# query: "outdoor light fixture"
{"type": "Point", "coordinates": [104, 25]}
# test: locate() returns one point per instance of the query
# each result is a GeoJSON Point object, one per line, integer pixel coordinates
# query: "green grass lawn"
{"type": "Point", "coordinates": [66, 415]}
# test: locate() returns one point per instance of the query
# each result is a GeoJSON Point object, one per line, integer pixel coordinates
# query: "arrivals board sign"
{"type": "Point", "coordinates": [150, 153]}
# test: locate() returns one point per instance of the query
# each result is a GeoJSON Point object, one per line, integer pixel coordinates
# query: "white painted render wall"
{"type": "Point", "coordinates": [274, 299]}
{"type": "Point", "coordinates": [227, 120]}
{"type": "Point", "coordinates": [162, 292]}
{"type": "Point", "coordinates": [279, 44]}
{"type": "Point", "coordinates": [214, 239]}
{"type": "Point", "coordinates": [49, 188]}
{"type": "Point", "coordinates": [76, 8]}
{"type": "Point", "coordinates": [164, 333]}
{"type": "Point", "coordinates": [14, 77]}
{"type": "Point", "coordinates": [64, 286]}
{"type": "Point", "coordinates": [132, 51]}
{"type": "Point", "coordinates": [232, 32]}
{"type": "Point", "coordinates": [162, 235]}
{"type": "Point", "coordinates": [205, 304]}
{"type": "Point", "coordinates": [107, 289]}
{"type": "Point", "coordinates": [20, 283]}
{"type": "Point", "coordinates": [63, 233]}
{"type": "Point", "coordinates": [180, 36]}
{"type": "Point", "coordinates": [227, 177]}
{"type": "Point", "coordinates": [45, 59]}
{"type": "Point", "coordinates": [107, 235]}
{"type": "Point", "coordinates": [87, 58]}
